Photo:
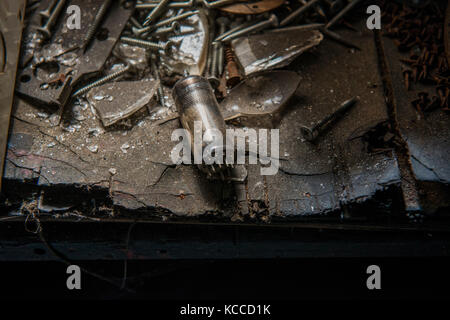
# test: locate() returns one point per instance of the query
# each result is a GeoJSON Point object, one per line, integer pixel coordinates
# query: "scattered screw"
{"type": "Point", "coordinates": [174, 28]}
{"type": "Point", "coordinates": [160, 86]}
{"type": "Point", "coordinates": [163, 23]}
{"type": "Point", "coordinates": [47, 12]}
{"type": "Point", "coordinates": [272, 21]}
{"type": "Point", "coordinates": [223, 22]}
{"type": "Point", "coordinates": [239, 27]}
{"type": "Point", "coordinates": [100, 81]}
{"type": "Point", "coordinates": [95, 24]}
{"type": "Point", "coordinates": [234, 76]}
{"type": "Point", "coordinates": [216, 4]}
{"type": "Point", "coordinates": [156, 12]}
{"type": "Point", "coordinates": [298, 12]}
{"type": "Point", "coordinates": [166, 47]}
{"type": "Point", "coordinates": [185, 4]}
{"type": "Point", "coordinates": [310, 134]}
{"type": "Point", "coordinates": [46, 28]}
{"type": "Point", "coordinates": [342, 13]}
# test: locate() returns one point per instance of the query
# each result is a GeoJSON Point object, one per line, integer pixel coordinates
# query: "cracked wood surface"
{"type": "Point", "coordinates": [313, 179]}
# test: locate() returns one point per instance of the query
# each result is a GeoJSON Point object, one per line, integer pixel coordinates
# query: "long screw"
{"type": "Point", "coordinates": [233, 30]}
{"type": "Point", "coordinates": [223, 22]}
{"type": "Point", "coordinates": [47, 12]}
{"type": "Point", "coordinates": [166, 47]}
{"type": "Point", "coordinates": [46, 28]}
{"type": "Point", "coordinates": [272, 21]}
{"type": "Point", "coordinates": [156, 12]}
{"type": "Point", "coordinates": [310, 134]}
{"type": "Point", "coordinates": [95, 24]}
{"type": "Point", "coordinates": [100, 81]}
{"type": "Point", "coordinates": [234, 77]}
{"type": "Point", "coordinates": [135, 23]}
{"type": "Point", "coordinates": [310, 26]}
{"type": "Point", "coordinates": [174, 27]}
{"type": "Point", "coordinates": [184, 4]}
{"type": "Point", "coordinates": [218, 3]}
{"type": "Point", "coordinates": [163, 23]}
{"type": "Point", "coordinates": [298, 12]}
{"type": "Point", "coordinates": [160, 86]}
{"type": "Point", "coordinates": [343, 12]}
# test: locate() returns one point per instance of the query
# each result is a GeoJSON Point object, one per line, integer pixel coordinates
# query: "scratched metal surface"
{"type": "Point", "coordinates": [11, 23]}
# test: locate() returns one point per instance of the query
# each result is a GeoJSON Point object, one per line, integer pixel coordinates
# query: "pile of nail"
{"type": "Point", "coordinates": [419, 32]}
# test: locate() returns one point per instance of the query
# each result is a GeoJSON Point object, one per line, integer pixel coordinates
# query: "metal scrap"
{"type": "Point", "coordinates": [118, 100]}
{"type": "Point", "coordinates": [262, 94]}
{"type": "Point", "coordinates": [273, 50]}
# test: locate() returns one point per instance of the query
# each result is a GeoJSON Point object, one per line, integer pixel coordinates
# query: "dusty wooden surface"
{"type": "Point", "coordinates": [314, 179]}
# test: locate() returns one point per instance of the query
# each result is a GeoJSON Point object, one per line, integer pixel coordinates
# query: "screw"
{"type": "Point", "coordinates": [160, 86]}
{"type": "Point", "coordinates": [310, 134]}
{"type": "Point", "coordinates": [272, 21]}
{"type": "Point", "coordinates": [46, 28]}
{"type": "Point", "coordinates": [216, 4]}
{"type": "Point", "coordinates": [233, 72]}
{"type": "Point", "coordinates": [163, 23]}
{"type": "Point", "coordinates": [100, 81]}
{"type": "Point", "coordinates": [95, 24]}
{"type": "Point", "coordinates": [156, 12]}
{"type": "Point", "coordinates": [47, 12]}
{"type": "Point", "coordinates": [344, 11]}
{"type": "Point", "coordinates": [239, 27]}
{"type": "Point", "coordinates": [135, 23]}
{"type": "Point", "coordinates": [311, 26]}
{"type": "Point", "coordinates": [223, 22]}
{"type": "Point", "coordinates": [166, 47]}
{"type": "Point", "coordinates": [298, 12]}
{"type": "Point", "coordinates": [174, 27]}
{"type": "Point", "coordinates": [185, 4]}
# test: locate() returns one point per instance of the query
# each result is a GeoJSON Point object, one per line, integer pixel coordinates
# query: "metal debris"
{"type": "Point", "coordinates": [118, 100]}
{"type": "Point", "coordinates": [273, 50]}
{"type": "Point", "coordinates": [261, 94]}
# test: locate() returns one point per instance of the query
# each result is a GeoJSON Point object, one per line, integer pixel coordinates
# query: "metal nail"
{"type": "Point", "coordinates": [310, 134]}
{"type": "Point", "coordinates": [156, 12]}
{"type": "Point", "coordinates": [46, 28]}
{"type": "Point", "coordinates": [47, 12]}
{"type": "Point", "coordinates": [163, 23]}
{"type": "Point", "coordinates": [216, 4]}
{"type": "Point", "coordinates": [272, 21]}
{"type": "Point", "coordinates": [341, 14]}
{"type": "Point", "coordinates": [298, 12]}
{"type": "Point", "coordinates": [184, 4]}
{"type": "Point", "coordinates": [223, 22]}
{"type": "Point", "coordinates": [310, 26]}
{"type": "Point", "coordinates": [239, 27]}
{"type": "Point", "coordinates": [156, 75]}
{"type": "Point", "coordinates": [174, 27]}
